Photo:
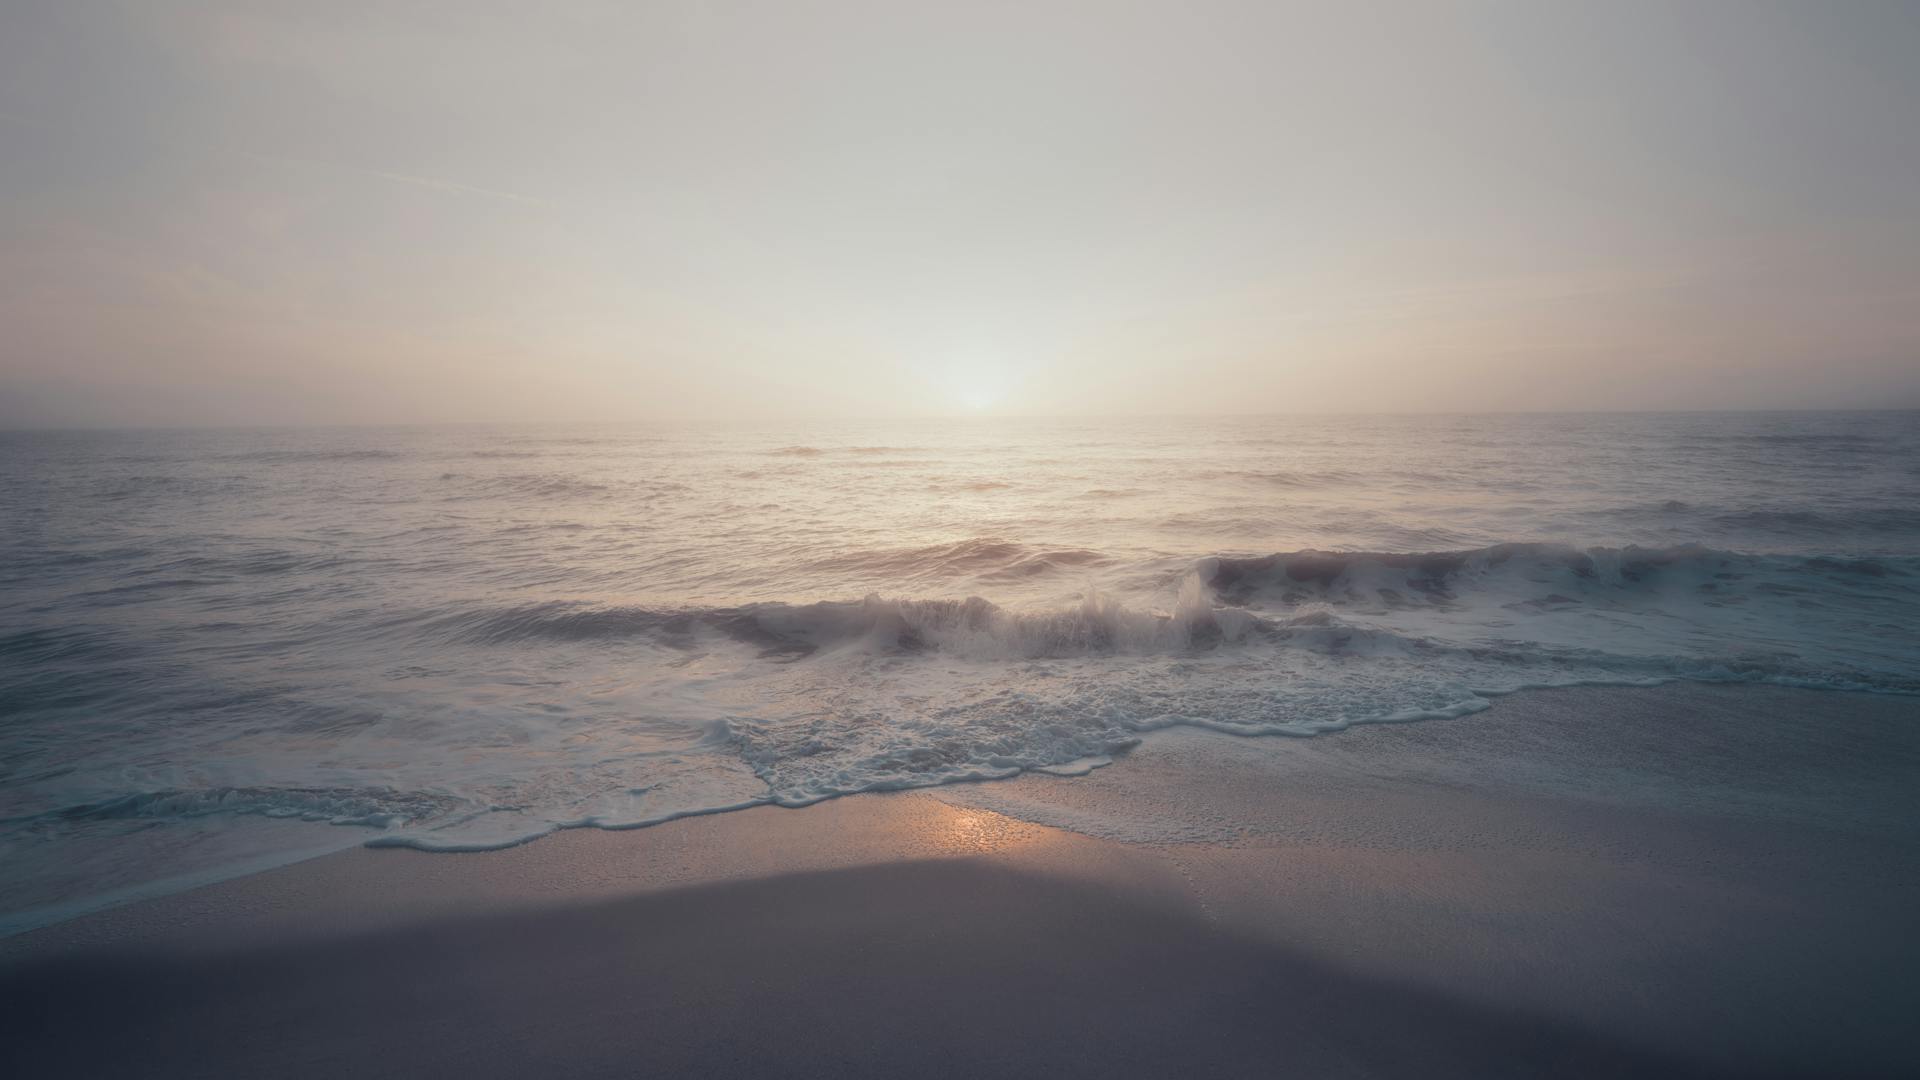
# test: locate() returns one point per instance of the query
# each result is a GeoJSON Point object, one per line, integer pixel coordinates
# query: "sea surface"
{"type": "Point", "coordinates": [221, 650]}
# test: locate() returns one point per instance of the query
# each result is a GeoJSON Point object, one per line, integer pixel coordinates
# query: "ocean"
{"type": "Point", "coordinates": [222, 650]}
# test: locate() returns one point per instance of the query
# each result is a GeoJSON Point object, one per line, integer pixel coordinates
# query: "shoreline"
{"type": "Point", "coordinates": [315, 840]}
{"type": "Point", "coordinates": [1697, 910]}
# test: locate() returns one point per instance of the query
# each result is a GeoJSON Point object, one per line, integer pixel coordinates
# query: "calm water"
{"type": "Point", "coordinates": [224, 649]}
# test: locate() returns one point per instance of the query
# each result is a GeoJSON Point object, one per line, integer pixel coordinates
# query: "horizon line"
{"type": "Point", "coordinates": [967, 417]}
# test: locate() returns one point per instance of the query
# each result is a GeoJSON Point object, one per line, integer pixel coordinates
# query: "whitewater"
{"type": "Point", "coordinates": [225, 649]}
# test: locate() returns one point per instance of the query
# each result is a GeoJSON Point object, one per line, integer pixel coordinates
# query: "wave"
{"type": "Point", "coordinates": [43, 646]}
{"type": "Point", "coordinates": [986, 558]}
{"type": "Point", "coordinates": [1827, 440]}
{"type": "Point", "coordinates": [161, 488]}
{"type": "Point", "coordinates": [856, 451]}
{"type": "Point", "coordinates": [971, 485]}
{"type": "Point", "coordinates": [1100, 628]}
{"type": "Point", "coordinates": [265, 562]}
{"type": "Point", "coordinates": [1897, 520]}
{"type": "Point", "coordinates": [541, 486]}
{"type": "Point", "coordinates": [1284, 478]}
{"type": "Point", "coordinates": [548, 487]}
{"type": "Point", "coordinates": [1644, 611]}
{"type": "Point", "coordinates": [1438, 577]}
{"type": "Point", "coordinates": [288, 457]}
{"type": "Point", "coordinates": [972, 627]}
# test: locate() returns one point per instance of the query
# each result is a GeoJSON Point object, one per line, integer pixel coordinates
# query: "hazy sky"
{"type": "Point", "coordinates": [314, 212]}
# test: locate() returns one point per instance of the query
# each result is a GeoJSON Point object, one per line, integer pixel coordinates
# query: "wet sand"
{"type": "Point", "coordinates": [1681, 881]}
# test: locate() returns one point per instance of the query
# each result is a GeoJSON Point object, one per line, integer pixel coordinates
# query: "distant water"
{"type": "Point", "coordinates": [222, 649]}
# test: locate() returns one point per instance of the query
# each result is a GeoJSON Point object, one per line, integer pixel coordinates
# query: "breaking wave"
{"type": "Point", "coordinates": [972, 627]}
{"type": "Point", "coordinates": [908, 693]}
{"type": "Point", "coordinates": [1640, 612]}
{"type": "Point", "coordinates": [1439, 576]}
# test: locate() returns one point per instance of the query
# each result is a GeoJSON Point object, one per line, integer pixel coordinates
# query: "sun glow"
{"type": "Point", "coordinates": [978, 400]}
{"type": "Point", "coordinates": [973, 383]}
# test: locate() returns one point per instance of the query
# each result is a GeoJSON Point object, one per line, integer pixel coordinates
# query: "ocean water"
{"type": "Point", "coordinates": [225, 649]}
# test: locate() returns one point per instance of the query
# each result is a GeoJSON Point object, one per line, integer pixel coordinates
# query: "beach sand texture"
{"type": "Point", "coordinates": [1378, 903]}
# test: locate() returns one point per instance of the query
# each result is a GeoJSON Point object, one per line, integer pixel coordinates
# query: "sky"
{"type": "Point", "coordinates": [268, 213]}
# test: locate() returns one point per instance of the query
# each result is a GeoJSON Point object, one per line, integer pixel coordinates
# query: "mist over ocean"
{"type": "Point", "coordinates": [222, 649]}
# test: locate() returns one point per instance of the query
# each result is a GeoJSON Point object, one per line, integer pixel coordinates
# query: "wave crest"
{"type": "Point", "coordinates": [1398, 578]}
{"type": "Point", "coordinates": [973, 627]}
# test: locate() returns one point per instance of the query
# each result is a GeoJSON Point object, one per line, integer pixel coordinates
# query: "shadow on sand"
{"type": "Point", "coordinates": [950, 968]}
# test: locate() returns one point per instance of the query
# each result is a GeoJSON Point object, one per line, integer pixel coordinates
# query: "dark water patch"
{"type": "Point", "coordinates": [337, 805]}
{"type": "Point", "coordinates": [139, 591]}
{"type": "Point", "coordinates": [1899, 520]}
{"type": "Point", "coordinates": [56, 559]}
{"type": "Point", "coordinates": [267, 562]}
{"type": "Point", "coordinates": [561, 621]}
{"type": "Point", "coordinates": [1815, 439]}
{"type": "Point", "coordinates": [1237, 580]}
{"type": "Point", "coordinates": [58, 645]}
{"type": "Point", "coordinates": [1862, 567]}
{"type": "Point", "coordinates": [1550, 602]}
{"type": "Point", "coordinates": [1356, 577]}
{"type": "Point", "coordinates": [167, 487]}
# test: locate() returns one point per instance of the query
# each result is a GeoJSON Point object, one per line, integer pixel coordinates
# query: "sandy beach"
{"type": "Point", "coordinates": [1409, 900]}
